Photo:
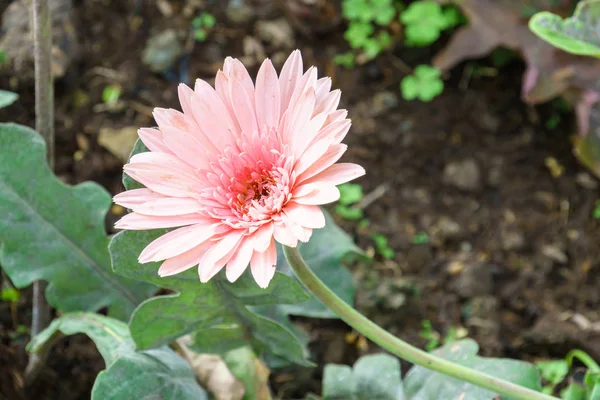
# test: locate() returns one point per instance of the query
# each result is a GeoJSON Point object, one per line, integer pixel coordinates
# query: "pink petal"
{"type": "Point", "coordinates": [284, 235]}
{"type": "Point", "coordinates": [267, 96]}
{"type": "Point", "coordinates": [235, 70]}
{"type": "Point", "coordinates": [290, 75]}
{"type": "Point", "coordinates": [307, 82]}
{"type": "Point", "coordinates": [135, 197]}
{"type": "Point", "coordinates": [153, 140]}
{"type": "Point", "coordinates": [262, 237]}
{"type": "Point", "coordinates": [322, 88]}
{"type": "Point", "coordinates": [212, 115]}
{"type": "Point", "coordinates": [177, 242]}
{"type": "Point", "coordinates": [312, 155]}
{"type": "Point", "coordinates": [184, 261]}
{"type": "Point", "coordinates": [321, 194]}
{"type": "Point", "coordinates": [169, 206]}
{"type": "Point", "coordinates": [337, 174]}
{"type": "Point", "coordinates": [186, 147]}
{"type": "Point", "coordinates": [239, 261]}
{"type": "Point", "coordinates": [185, 98]}
{"type": "Point", "coordinates": [330, 157]}
{"type": "Point", "coordinates": [263, 264]}
{"type": "Point", "coordinates": [222, 89]}
{"type": "Point", "coordinates": [329, 103]}
{"type": "Point", "coordinates": [139, 222]}
{"type": "Point", "coordinates": [163, 173]}
{"type": "Point", "coordinates": [337, 131]}
{"type": "Point", "coordinates": [306, 216]}
{"type": "Point", "coordinates": [309, 132]}
{"type": "Point", "coordinates": [296, 119]}
{"type": "Point", "coordinates": [243, 108]}
{"type": "Point", "coordinates": [218, 255]}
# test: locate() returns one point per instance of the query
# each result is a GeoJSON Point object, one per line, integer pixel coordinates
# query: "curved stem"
{"type": "Point", "coordinates": [396, 346]}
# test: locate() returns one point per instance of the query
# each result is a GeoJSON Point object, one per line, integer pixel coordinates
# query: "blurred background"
{"type": "Point", "coordinates": [478, 213]}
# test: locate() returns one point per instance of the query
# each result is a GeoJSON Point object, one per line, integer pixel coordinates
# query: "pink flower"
{"type": "Point", "coordinates": [244, 165]}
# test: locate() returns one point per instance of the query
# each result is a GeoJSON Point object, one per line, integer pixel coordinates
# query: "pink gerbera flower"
{"type": "Point", "coordinates": [242, 166]}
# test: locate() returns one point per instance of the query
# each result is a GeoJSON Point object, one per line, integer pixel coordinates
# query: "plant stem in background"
{"type": "Point", "coordinates": [397, 346]}
{"type": "Point", "coordinates": [44, 124]}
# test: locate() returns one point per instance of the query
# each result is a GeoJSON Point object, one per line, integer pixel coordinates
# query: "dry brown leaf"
{"type": "Point", "coordinates": [118, 141]}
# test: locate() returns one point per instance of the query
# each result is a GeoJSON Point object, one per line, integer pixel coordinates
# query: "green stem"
{"type": "Point", "coordinates": [396, 346]}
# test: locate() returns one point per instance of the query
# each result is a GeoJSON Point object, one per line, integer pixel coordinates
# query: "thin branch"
{"type": "Point", "coordinates": [44, 124]}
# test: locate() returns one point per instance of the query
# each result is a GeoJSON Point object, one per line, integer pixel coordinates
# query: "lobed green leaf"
{"type": "Point", "coordinates": [158, 373]}
{"type": "Point", "coordinates": [55, 232]}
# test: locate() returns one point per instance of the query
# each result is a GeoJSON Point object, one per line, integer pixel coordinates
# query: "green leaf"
{"type": "Point", "coordinates": [159, 373]}
{"type": "Point", "coordinates": [358, 33]}
{"type": "Point", "coordinates": [323, 253]}
{"type": "Point", "coordinates": [7, 98]}
{"type": "Point", "coordinates": [346, 59]}
{"type": "Point", "coordinates": [111, 94]}
{"type": "Point", "coordinates": [217, 309]}
{"type": "Point", "coordinates": [10, 294]}
{"type": "Point", "coordinates": [553, 371]}
{"type": "Point", "coordinates": [577, 34]}
{"type": "Point", "coordinates": [350, 193]}
{"type": "Point", "coordinates": [424, 20]}
{"type": "Point", "coordinates": [54, 232]}
{"type": "Point", "coordinates": [425, 84]}
{"type": "Point", "coordinates": [373, 377]}
{"type": "Point", "coordinates": [349, 213]}
{"type": "Point", "coordinates": [423, 384]}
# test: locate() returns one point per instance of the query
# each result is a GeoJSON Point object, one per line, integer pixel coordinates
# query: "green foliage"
{"type": "Point", "coordinates": [2, 57]}
{"type": "Point", "coordinates": [10, 294]}
{"type": "Point", "coordinates": [350, 193]}
{"type": "Point", "coordinates": [424, 84]}
{"type": "Point", "coordinates": [431, 335]}
{"type": "Point", "coordinates": [361, 33]}
{"type": "Point", "coordinates": [553, 372]}
{"type": "Point", "coordinates": [577, 34]}
{"type": "Point", "coordinates": [7, 98]}
{"type": "Point", "coordinates": [346, 59]}
{"type": "Point", "coordinates": [425, 20]}
{"type": "Point", "coordinates": [129, 374]}
{"type": "Point", "coordinates": [54, 232]}
{"type": "Point", "coordinates": [358, 34]}
{"type": "Point", "coordinates": [372, 377]}
{"type": "Point", "coordinates": [201, 24]}
{"type": "Point", "coordinates": [111, 94]}
{"type": "Point", "coordinates": [423, 384]}
{"type": "Point", "coordinates": [379, 11]}
{"type": "Point", "coordinates": [381, 245]}
{"type": "Point", "coordinates": [420, 238]}
{"type": "Point", "coordinates": [216, 312]}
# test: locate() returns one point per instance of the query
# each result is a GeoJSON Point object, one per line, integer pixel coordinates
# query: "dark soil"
{"type": "Point", "coordinates": [512, 251]}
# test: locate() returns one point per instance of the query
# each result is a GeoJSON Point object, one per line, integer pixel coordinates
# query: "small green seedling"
{"type": "Point", "coordinates": [379, 11]}
{"type": "Point", "coordinates": [553, 372]}
{"type": "Point", "coordinates": [350, 193]}
{"type": "Point", "coordinates": [381, 245]}
{"type": "Point", "coordinates": [201, 24]}
{"type": "Point", "coordinates": [358, 33]}
{"type": "Point", "coordinates": [111, 95]}
{"type": "Point", "coordinates": [424, 84]}
{"type": "Point", "coordinates": [10, 295]}
{"type": "Point", "coordinates": [420, 238]}
{"type": "Point", "coordinates": [431, 335]}
{"type": "Point", "coordinates": [346, 60]}
{"type": "Point", "coordinates": [425, 20]}
{"type": "Point", "coordinates": [596, 212]}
